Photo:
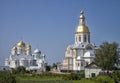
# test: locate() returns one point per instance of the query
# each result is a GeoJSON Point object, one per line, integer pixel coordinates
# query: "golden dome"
{"type": "Point", "coordinates": [82, 28]}
{"type": "Point", "coordinates": [28, 47]}
{"type": "Point", "coordinates": [21, 44]}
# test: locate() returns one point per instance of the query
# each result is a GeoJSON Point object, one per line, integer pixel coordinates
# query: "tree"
{"type": "Point", "coordinates": [107, 55]}
{"type": "Point", "coordinates": [48, 68]}
{"type": "Point", "coordinates": [7, 77]}
{"type": "Point", "coordinates": [72, 76]}
{"type": "Point", "coordinates": [19, 70]}
{"type": "Point", "coordinates": [54, 65]}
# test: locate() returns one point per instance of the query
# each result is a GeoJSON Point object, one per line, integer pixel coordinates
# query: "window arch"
{"type": "Point", "coordinates": [79, 38]}
{"type": "Point", "coordinates": [85, 39]}
{"type": "Point", "coordinates": [87, 63]}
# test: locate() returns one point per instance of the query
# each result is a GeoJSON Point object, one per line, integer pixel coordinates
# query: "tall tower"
{"type": "Point", "coordinates": [21, 48]}
{"type": "Point", "coordinates": [82, 52]}
{"type": "Point", "coordinates": [14, 50]}
{"type": "Point", "coordinates": [28, 49]}
{"type": "Point", "coordinates": [82, 34]}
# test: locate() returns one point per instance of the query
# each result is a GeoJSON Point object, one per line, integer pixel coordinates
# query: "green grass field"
{"type": "Point", "coordinates": [48, 79]}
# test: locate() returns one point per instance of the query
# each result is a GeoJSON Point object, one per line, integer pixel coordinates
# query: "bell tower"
{"type": "Point", "coordinates": [82, 34]}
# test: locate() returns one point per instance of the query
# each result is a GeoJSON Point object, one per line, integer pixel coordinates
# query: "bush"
{"type": "Point", "coordinates": [72, 76]}
{"type": "Point", "coordinates": [81, 74]}
{"type": "Point", "coordinates": [116, 76]}
{"type": "Point", "coordinates": [19, 70]}
{"type": "Point", "coordinates": [48, 68]}
{"type": "Point", "coordinates": [104, 79]}
{"type": "Point", "coordinates": [7, 77]}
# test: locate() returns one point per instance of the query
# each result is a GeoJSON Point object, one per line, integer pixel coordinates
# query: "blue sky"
{"type": "Point", "coordinates": [50, 24]}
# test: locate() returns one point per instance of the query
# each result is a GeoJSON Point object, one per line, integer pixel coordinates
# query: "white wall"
{"type": "Point", "coordinates": [88, 72]}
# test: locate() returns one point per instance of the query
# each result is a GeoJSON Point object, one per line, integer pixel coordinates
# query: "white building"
{"type": "Point", "coordinates": [82, 52]}
{"type": "Point", "coordinates": [21, 56]}
{"type": "Point", "coordinates": [92, 70]}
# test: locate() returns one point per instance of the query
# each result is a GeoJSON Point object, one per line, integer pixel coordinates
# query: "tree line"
{"type": "Point", "coordinates": [107, 56]}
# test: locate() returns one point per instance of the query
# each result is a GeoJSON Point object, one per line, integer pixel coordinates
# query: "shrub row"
{"type": "Point", "coordinates": [48, 74]}
{"type": "Point", "coordinates": [7, 77]}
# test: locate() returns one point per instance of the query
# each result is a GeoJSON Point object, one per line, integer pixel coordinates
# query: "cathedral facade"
{"type": "Point", "coordinates": [21, 55]}
{"type": "Point", "coordinates": [82, 52]}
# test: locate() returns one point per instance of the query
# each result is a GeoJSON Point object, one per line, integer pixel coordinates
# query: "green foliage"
{"type": "Point", "coordinates": [72, 76]}
{"type": "Point", "coordinates": [7, 77]}
{"type": "Point", "coordinates": [48, 74]}
{"type": "Point", "coordinates": [81, 74]}
{"type": "Point", "coordinates": [116, 76]}
{"type": "Point", "coordinates": [107, 55]}
{"type": "Point", "coordinates": [38, 78]}
{"type": "Point", "coordinates": [58, 78]}
{"type": "Point", "coordinates": [48, 68]}
{"type": "Point", "coordinates": [84, 80]}
{"type": "Point", "coordinates": [19, 70]}
{"type": "Point", "coordinates": [54, 65]}
{"type": "Point", "coordinates": [104, 79]}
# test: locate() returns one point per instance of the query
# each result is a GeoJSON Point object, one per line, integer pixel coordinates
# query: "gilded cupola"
{"type": "Point", "coordinates": [21, 44]}
{"type": "Point", "coordinates": [82, 28]}
{"type": "Point", "coordinates": [28, 47]}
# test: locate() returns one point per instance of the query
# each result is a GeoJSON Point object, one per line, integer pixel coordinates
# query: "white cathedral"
{"type": "Point", "coordinates": [82, 52]}
{"type": "Point", "coordinates": [21, 55]}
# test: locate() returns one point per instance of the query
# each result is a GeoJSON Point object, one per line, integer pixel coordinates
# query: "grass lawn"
{"type": "Point", "coordinates": [84, 81]}
{"type": "Point", "coordinates": [48, 79]}
{"type": "Point", "coordinates": [37, 78]}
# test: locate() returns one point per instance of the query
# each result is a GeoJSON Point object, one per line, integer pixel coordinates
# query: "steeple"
{"type": "Point", "coordinates": [82, 18]}
{"type": "Point", "coordinates": [82, 34]}
{"type": "Point", "coordinates": [82, 28]}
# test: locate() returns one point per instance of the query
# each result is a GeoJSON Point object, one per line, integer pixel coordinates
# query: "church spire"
{"type": "Point", "coordinates": [82, 18]}
{"type": "Point", "coordinates": [82, 28]}
{"type": "Point", "coordinates": [82, 34]}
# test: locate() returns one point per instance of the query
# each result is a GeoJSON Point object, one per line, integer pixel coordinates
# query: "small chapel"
{"type": "Point", "coordinates": [21, 55]}
{"type": "Point", "coordinates": [82, 52]}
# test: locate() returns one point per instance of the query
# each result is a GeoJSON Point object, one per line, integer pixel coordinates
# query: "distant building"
{"type": "Point", "coordinates": [92, 70]}
{"type": "Point", "coordinates": [21, 56]}
{"type": "Point", "coordinates": [82, 52]}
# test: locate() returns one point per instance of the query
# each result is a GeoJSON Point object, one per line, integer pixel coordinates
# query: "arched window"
{"type": "Point", "coordinates": [81, 63]}
{"type": "Point", "coordinates": [85, 39]}
{"type": "Point", "coordinates": [79, 38]}
{"type": "Point", "coordinates": [9, 62]}
{"type": "Point", "coordinates": [89, 38]}
{"type": "Point", "coordinates": [87, 63]}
